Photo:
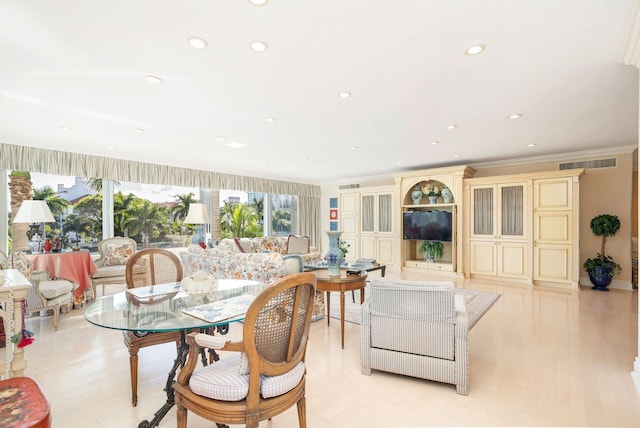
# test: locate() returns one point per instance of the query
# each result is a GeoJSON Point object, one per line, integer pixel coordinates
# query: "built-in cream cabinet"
{"type": "Point", "coordinates": [524, 227]}
{"type": "Point", "coordinates": [498, 238]}
{"type": "Point", "coordinates": [555, 229]}
{"type": "Point", "coordinates": [369, 223]}
{"type": "Point", "coordinates": [448, 208]}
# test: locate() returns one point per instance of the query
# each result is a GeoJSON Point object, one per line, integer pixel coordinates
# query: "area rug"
{"type": "Point", "coordinates": [477, 304]}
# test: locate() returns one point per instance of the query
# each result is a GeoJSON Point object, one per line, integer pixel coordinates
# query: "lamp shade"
{"type": "Point", "coordinates": [197, 214]}
{"type": "Point", "coordinates": [31, 211]}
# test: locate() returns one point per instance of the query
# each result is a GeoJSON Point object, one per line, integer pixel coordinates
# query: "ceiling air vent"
{"type": "Point", "coordinates": [348, 186]}
{"type": "Point", "coordinates": [592, 164]}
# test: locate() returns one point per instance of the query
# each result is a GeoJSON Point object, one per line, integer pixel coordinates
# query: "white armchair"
{"type": "Point", "coordinates": [114, 255]}
{"type": "Point", "coordinates": [412, 328]}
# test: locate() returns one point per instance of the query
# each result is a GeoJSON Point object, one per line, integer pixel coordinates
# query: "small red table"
{"type": "Point", "coordinates": [75, 266]}
{"type": "Point", "coordinates": [23, 405]}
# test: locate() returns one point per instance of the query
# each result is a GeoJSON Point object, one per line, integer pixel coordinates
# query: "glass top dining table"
{"type": "Point", "coordinates": [159, 308]}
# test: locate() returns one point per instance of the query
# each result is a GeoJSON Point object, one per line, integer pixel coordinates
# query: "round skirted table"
{"type": "Point", "coordinates": [75, 266]}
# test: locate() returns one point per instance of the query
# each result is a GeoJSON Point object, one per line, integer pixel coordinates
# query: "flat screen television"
{"type": "Point", "coordinates": [427, 225]}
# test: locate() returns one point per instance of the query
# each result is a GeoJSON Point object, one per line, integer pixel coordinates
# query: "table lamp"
{"type": "Point", "coordinates": [197, 215]}
{"type": "Point", "coordinates": [37, 212]}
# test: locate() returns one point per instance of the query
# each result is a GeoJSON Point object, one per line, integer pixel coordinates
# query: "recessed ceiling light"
{"type": "Point", "coordinates": [258, 2]}
{"type": "Point", "coordinates": [433, 143]}
{"type": "Point", "coordinates": [153, 79]}
{"type": "Point", "coordinates": [110, 147]}
{"type": "Point", "coordinates": [305, 157]}
{"type": "Point", "coordinates": [456, 155]}
{"type": "Point", "coordinates": [221, 138]}
{"type": "Point", "coordinates": [531, 145]}
{"type": "Point", "coordinates": [235, 145]}
{"type": "Point", "coordinates": [452, 126]}
{"type": "Point", "coordinates": [344, 94]}
{"type": "Point", "coordinates": [399, 163]}
{"type": "Point", "coordinates": [474, 50]}
{"type": "Point", "coordinates": [515, 116]}
{"type": "Point", "coordinates": [197, 42]}
{"type": "Point", "coordinates": [270, 119]}
{"type": "Point", "coordinates": [258, 46]}
{"type": "Point", "coordinates": [186, 151]}
{"type": "Point", "coordinates": [140, 130]}
{"type": "Point", "coordinates": [354, 147]}
{"type": "Point", "coordinates": [65, 128]}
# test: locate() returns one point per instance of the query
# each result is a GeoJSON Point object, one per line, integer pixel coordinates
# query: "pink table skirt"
{"type": "Point", "coordinates": [76, 266]}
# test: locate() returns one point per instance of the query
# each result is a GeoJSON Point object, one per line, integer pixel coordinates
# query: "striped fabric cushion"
{"type": "Point", "coordinates": [223, 381]}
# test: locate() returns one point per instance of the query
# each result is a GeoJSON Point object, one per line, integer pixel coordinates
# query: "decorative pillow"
{"type": "Point", "coordinates": [117, 254]}
{"type": "Point", "coordinates": [244, 245]}
{"type": "Point", "coordinates": [297, 244]}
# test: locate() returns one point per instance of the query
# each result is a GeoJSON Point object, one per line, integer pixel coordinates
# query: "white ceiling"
{"type": "Point", "coordinates": [82, 65]}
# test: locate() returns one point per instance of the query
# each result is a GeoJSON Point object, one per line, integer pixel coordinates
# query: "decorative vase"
{"type": "Point", "coordinates": [334, 253]}
{"type": "Point", "coordinates": [447, 196]}
{"type": "Point", "coordinates": [416, 195]}
{"type": "Point", "coordinates": [47, 246]}
{"type": "Point", "coordinates": [433, 199]}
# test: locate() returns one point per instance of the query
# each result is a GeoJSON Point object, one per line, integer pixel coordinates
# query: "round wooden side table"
{"type": "Point", "coordinates": [344, 282]}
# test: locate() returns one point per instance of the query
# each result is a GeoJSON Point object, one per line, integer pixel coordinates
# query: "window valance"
{"type": "Point", "coordinates": [23, 158]}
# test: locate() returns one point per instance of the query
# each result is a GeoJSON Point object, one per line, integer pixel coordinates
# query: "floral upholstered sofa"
{"type": "Point", "coordinates": [293, 244]}
{"type": "Point", "coordinates": [264, 267]}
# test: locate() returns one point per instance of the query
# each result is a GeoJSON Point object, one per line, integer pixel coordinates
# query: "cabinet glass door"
{"type": "Point", "coordinates": [512, 213]}
{"type": "Point", "coordinates": [483, 211]}
{"type": "Point", "coordinates": [368, 213]}
{"type": "Point", "coordinates": [384, 213]}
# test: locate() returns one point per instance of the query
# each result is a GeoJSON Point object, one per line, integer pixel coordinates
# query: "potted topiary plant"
{"type": "Point", "coordinates": [602, 268]}
{"type": "Point", "coordinates": [434, 250]}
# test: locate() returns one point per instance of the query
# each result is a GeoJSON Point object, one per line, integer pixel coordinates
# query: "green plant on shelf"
{"type": "Point", "coordinates": [433, 249]}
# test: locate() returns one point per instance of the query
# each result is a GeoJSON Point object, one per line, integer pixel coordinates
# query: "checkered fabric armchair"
{"type": "Point", "coordinates": [413, 328]}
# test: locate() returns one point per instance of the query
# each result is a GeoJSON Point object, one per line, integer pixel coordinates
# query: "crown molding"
{"type": "Point", "coordinates": [559, 157]}
{"type": "Point", "coordinates": [631, 46]}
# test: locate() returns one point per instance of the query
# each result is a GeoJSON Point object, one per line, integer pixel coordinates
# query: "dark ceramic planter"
{"type": "Point", "coordinates": [600, 278]}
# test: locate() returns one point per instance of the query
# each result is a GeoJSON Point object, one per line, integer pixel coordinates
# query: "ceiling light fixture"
{"type": "Point", "coordinates": [270, 119]}
{"type": "Point", "coordinates": [153, 79]}
{"type": "Point", "coordinates": [474, 50]}
{"type": "Point", "coordinates": [344, 94]}
{"type": "Point", "coordinates": [531, 145]}
{"type": "Point", "coordinates": [305, 157]}
{"type": "Point", "coordinates": [65, 128]}
{"type": "Point", "coordinates": [110, 147]}
{"type": "Point", "coordinates": [197, 42]}
{"type": "Point", "coordinates": [258, 46]}
{"type": "Point", "coordinates": [221, 138]}
{"type": "Point", "coordinates": [140, 130]}
{"type": "Point", "coordinates": [452, 126]}
{"type": "Point", "coordinates": [354, 147]}
{"type": "Point", "coordinates": [258, 2]}
{"type": "Point", "coordinates": [515, 116]}
{"type": "Point", "coordinates": [456, 155]}
{"type": "Point", "coordinates": [235, 145]}
{"type": "Point", "coordinates": [433, 143]}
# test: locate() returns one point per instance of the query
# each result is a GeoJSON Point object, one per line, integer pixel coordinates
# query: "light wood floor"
{"type": "Point", "coordinates": [539, 357]}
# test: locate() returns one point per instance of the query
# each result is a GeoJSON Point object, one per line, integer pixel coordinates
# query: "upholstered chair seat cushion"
{"type": "Point", "coordinates": [222, 381]}
{"type": "Point", "coordinates": [109, 271]}
{"type": "Point", "coordinates": [60, 300]}
{"type": "Point", "coordinates": [53, 289]}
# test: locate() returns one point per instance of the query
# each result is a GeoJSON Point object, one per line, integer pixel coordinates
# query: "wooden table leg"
{"type": "Point", "coordinates": [328, 307]}
{"type": "Point", "coordinates": [342, 317]}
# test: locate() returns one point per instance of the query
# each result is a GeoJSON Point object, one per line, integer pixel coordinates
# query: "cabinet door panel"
{"type": "Point", "coordinates": [349, 203]}
{"type": "Point", "coordinates": [385, 250]}
{"type": "Point", "coordinates": [552, 263]}
{"type": "Point", "coordinates": [349, 225]}
{"type": "Point", "coordinates": [552, 194]}
{"type": "Point", "coordinates": [368, 248]}
{"type": "Point", "coordinates": [483, 257]}
{"type": "Point", "coordinates": [553, 227]}
{"type": "Point", "coordinates": [482, 211]}
{"type": "Point", "coordinates": [512, 260]}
